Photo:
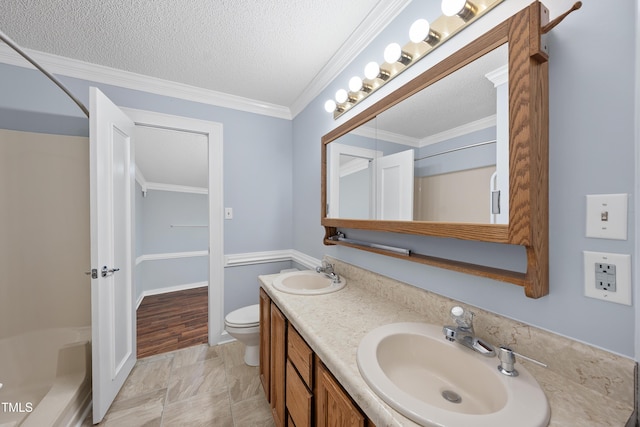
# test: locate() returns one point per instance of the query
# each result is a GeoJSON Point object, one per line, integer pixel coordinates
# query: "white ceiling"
{"type": "Point", "coordinates": [267, 51]}
{"type": "Point", "coordinates": [170, 157]}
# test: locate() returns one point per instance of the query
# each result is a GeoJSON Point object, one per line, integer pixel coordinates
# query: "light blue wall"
{"type": "Point", "coordinates": [272, 173]}
{"type": "Point", "coordinates": [162, 209]}
{"type": "Point", "coordinates": [257, 163]}
{"type": "Point", "coordinates": [591, 143]}
{"type": "Point", "coordinates": [155, 214]}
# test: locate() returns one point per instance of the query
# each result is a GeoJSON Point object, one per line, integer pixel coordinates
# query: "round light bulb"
{"type": "Point", "coordinates": [355, 84]}
{"type": "Point", "coordinates": [419, 30]}
{"type": "Point", "coordinates": [453, 7]}
{"type": "Point", "coordinates": [330, 106]}
{"type": "Point", "coordinates": [371, 70]}
{"type": "Point", "coordinates": [341, 96]}
{"type": "Point", "coordinates": [392, 53]}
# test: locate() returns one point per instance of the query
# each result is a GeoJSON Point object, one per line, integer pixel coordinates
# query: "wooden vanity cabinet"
{"type": "Point", "coordinates": [334, 407]}
{"type": "Point", "coordinates": [299, 387]}
{"type": "Point", "coordinates": [278, 366]}
{"type": "Point", "coordinates": [300, 359]}
{"type": "Point", "coordinates": [265, 343]}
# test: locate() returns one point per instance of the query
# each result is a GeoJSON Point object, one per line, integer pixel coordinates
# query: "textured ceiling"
{"type": "Point", "coordinates": [268, 51]}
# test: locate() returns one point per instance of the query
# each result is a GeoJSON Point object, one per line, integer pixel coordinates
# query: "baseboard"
{"type": "Point", "coordinates": [232, 260]}
{"type": "Point", "coordinates": [225, 338]}
{"type": "Point", "coordinates": [168, 289]}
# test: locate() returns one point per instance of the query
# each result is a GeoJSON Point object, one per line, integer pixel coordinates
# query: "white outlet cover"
{"type": "Point", "coordinates": [614, 208]}
{"type": "Point", "coordinates": [622, 295]}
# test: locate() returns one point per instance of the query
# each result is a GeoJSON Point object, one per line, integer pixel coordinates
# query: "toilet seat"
{"type": "Point", "coordinates": [245, 317]}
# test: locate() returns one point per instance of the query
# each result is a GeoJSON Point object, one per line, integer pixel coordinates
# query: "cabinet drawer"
{"type": "Point", "coordinates": [298, 398]}
{"type": "Point", "coordinates": [301, 355]}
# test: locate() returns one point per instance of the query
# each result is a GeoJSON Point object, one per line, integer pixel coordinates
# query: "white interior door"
{"type": "Point", "coordinates": [394, 186]}
{"type": "Point", "coordinates": [112, 175]}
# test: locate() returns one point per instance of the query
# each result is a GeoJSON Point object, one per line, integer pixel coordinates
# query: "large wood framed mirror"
{"type": "Point", "coordinates": [461, 151]}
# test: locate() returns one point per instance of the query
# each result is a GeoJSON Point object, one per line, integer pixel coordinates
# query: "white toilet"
{"type": "Point", "coordinates": [244, 325]}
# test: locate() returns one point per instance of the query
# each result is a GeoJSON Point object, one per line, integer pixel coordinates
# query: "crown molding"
{"type": "Point", "coordinates": [376, 21]}
{"type": "Point", "coordinates": [140, 179]}
{"type": "Point", "coordinates": [373, 133]}
{"type": "Point", "coordinates": [499, 76]}
{"type": "Point", "coordinates": [100, 74]}
{"type": "Point", "coordinates": [467, 128]}
{"type": "Point", "coordinates": [381, 135]}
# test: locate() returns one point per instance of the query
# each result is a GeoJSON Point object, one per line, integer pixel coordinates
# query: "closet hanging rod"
{"type": "Point", "coordinates": [187, 225]}
{"type": "Point", "coordinates": [57, 82]}
{"type": "Point", "coordinates": [479, 144]}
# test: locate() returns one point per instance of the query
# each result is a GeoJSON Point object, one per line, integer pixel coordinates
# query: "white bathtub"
{"type": "Point", "coordinates": [45, 376]}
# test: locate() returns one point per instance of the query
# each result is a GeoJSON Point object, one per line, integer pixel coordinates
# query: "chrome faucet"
{"type": "Point", "coordinates": [463, 333]}
{"type": "Point", "coordinates": [327, 269]}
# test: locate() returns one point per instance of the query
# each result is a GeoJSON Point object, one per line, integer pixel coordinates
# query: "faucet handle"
{"type": "Point", "coordinates": [462, 317]}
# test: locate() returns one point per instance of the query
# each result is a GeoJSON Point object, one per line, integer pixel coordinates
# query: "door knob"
{"type": "Point", "coordinates": [108, 271]}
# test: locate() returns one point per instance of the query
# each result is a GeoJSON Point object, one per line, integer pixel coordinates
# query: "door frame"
{"type": "Point", "coordinates": [214, 133]}
{"type": "Point", "coordinates": [335, 151]}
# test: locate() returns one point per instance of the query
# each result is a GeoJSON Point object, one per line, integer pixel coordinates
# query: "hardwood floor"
{"type": "Point", "coordinates": [172, 321]}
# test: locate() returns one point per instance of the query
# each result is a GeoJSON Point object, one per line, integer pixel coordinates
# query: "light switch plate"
{"type": "Point", "coordinates": [622, 263]}
{"type": "Point", "coordinates": [607, 216]}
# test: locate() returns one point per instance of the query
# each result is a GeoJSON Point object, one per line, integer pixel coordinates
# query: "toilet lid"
{"type": "Point", "coordinates": [244, 317]}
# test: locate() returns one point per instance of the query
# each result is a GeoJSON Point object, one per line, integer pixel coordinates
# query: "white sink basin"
{"type": "Point", "coordinates": [307, 282]}
{"type": "Point", "coordinates": [434, 382]}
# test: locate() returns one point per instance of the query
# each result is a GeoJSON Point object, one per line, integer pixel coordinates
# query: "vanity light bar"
{"type": "Point", "coordinates": [457, 14]}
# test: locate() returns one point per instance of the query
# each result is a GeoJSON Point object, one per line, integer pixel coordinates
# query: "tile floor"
{"type": "Point", "coordinates": [196, 386]}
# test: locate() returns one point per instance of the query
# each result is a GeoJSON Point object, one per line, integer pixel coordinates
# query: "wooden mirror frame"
{"type": "Point", "coordinates": [528, 157]}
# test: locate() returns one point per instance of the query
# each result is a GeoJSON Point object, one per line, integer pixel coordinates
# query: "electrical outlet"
{"type": "Point", "coordinates": [607, 276]}
{"type": "Point", "coordinates": [228, 213]}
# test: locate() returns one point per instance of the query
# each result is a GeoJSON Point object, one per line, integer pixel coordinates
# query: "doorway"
{"type": "Point", "coordinates": [171, 211]}
{"type": "Point", "coordinates": [155, 127]}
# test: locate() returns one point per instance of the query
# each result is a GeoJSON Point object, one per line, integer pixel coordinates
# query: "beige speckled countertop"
{"type": "Point", "coordinates": [594, 389]}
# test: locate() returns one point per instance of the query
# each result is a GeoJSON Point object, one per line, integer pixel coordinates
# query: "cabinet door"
{"type": "Point", "coordinates": [334, 408]}
{"type": "Point", "coordinates": [265, 342]}
{"type": "Point", "coordinates": [299, 400]}
{"type": "Point", "coordinates": [278, 365]}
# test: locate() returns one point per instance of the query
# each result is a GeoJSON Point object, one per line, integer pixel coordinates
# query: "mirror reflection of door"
{"type": "Point", "coordinates": [351, 181]}
{"type": "Point", "coordinates": [172, 240]}
{"type": "Point", "coordinates": [356, 177]}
